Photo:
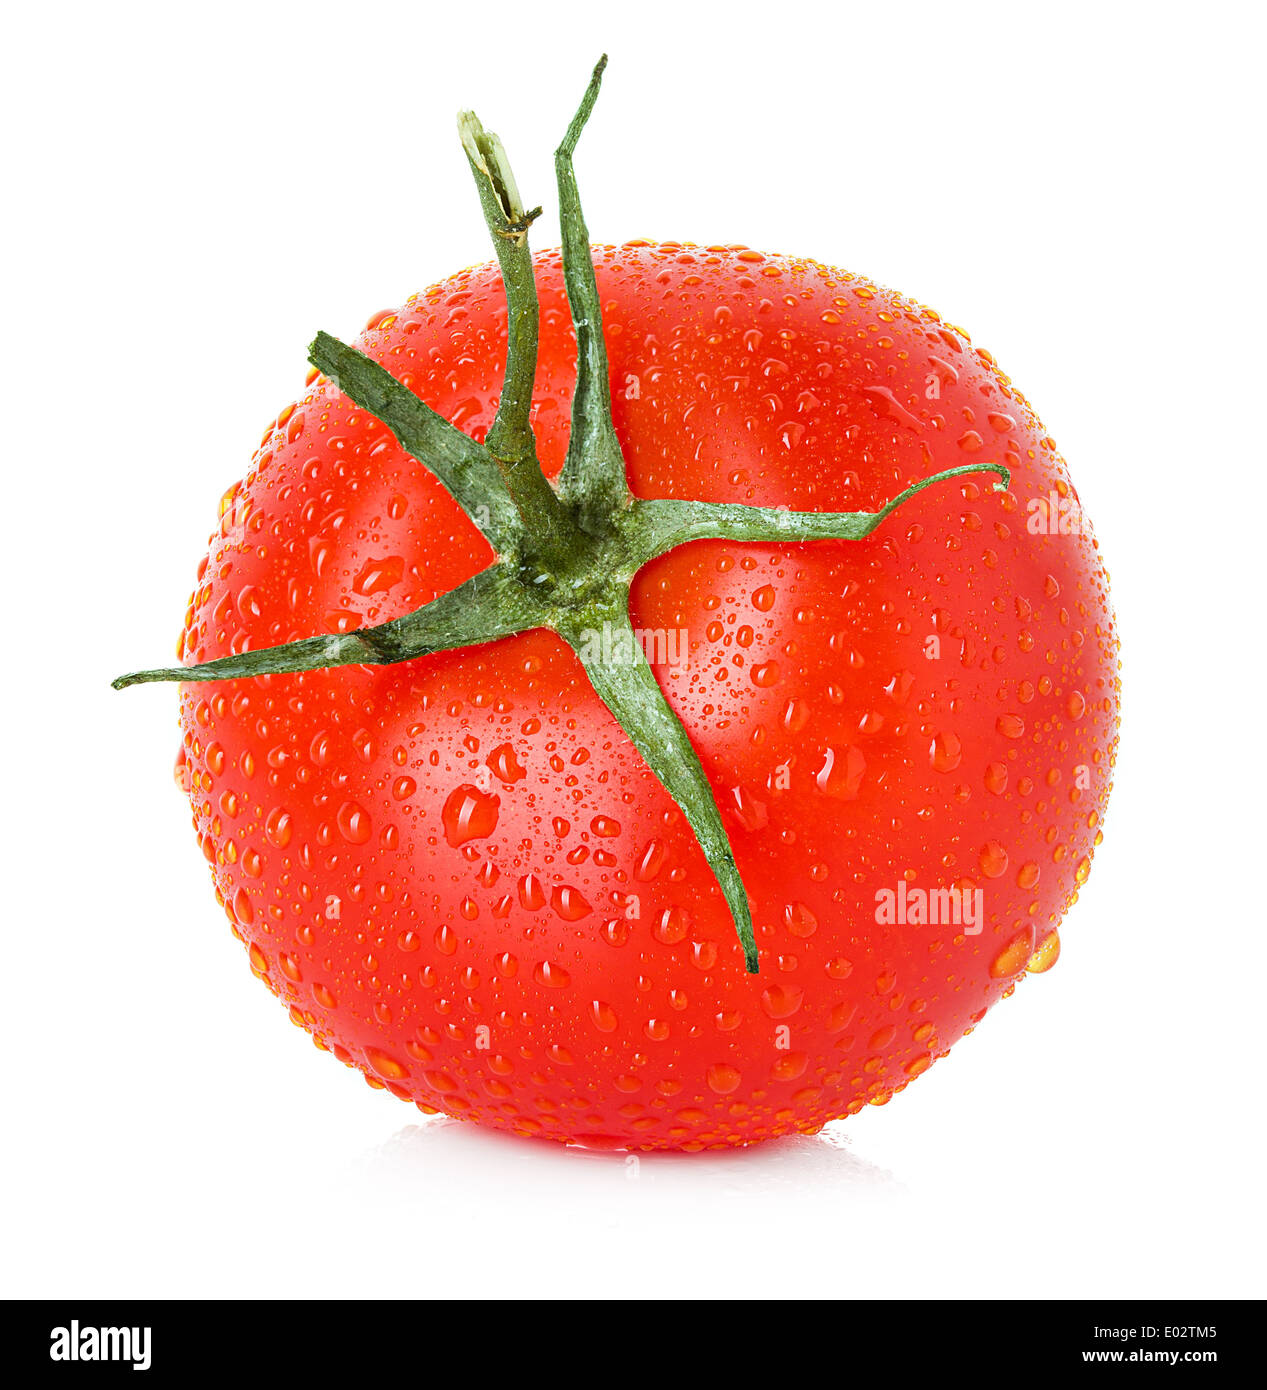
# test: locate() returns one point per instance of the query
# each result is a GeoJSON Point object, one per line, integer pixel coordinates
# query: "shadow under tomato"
{"type": "Point", "coordinates": [452, 1154]}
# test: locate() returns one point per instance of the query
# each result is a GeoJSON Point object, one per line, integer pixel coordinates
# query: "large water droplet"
{"type": "Point", "coordinates": [469, 814]}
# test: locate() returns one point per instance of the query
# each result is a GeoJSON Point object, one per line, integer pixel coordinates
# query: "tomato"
{"type": "Point", "coordinates": [459, 875]}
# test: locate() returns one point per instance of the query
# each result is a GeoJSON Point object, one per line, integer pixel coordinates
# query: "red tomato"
{"type": "Point", "coordinates": [458, 873]}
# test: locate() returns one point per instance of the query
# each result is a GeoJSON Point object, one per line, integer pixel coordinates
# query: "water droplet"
{"type": "Point", "coordinates": [469, 814]}
{"type": "Point", "coordinates": [790, 1066]}
{"type": "Point", "coordinates": [353, 821]}
{"type": "Point", "coordinates": [603, 1016]}
{"type": "Point", "coordinates": [993, 859]}
{"type": "Point", "coordinates": [782, 1001]}
{"type": "Point", "coordinates": [751, 813]}
{"type": "Point", "coordinates": [885, 403]}
{"type": "Point", "coordinates": [1013, 956]}
{"type": "Point", "coordinates": [1047, 954]}
{"type": "Point", "coordinates": [946, 752]}
{"type": "Point", "coordinates": [723, 1078]}
{"type": "Point", "coordinates": [799, 920]}
{"type": "Point", "coordinates": [672, 927]}
{"type": "Point", "coordinates": [996, 778]}
{"type": "Point", "coordinates": [765, 675]}
{"type": "Point", "coordinates": [532, 893]}
{"type": "Point", "coordinates": [377, 576]}
{"type": "Point", "coordinates": [569, 903]}
{"type": "Point", "coordinates": [277, 828]}
{"type": "Point", "coordinates": [550, 975]}
{"type": "Point", "coordinates": [504, 765]}
{"type": "Point", "coordinates": [841, 773]}
{"type": "Point", "coordinates": [651, 863]}
{"type": "Point", "coordinates": [386, 1065]}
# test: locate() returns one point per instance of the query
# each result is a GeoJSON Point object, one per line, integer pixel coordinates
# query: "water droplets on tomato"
{"type": "Point", "coordinates": [469, 814]}
{"type": "Point", "coordinates": [353, 822]}
{"type": "Point", "coordinates": [840, 772]}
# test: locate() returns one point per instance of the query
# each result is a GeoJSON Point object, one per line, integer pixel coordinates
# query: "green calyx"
{"type": "Point", "coordinates": [566, 556]}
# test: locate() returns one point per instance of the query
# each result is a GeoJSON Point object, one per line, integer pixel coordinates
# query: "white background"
{"type": "Point", "coordinates": [192, 191]}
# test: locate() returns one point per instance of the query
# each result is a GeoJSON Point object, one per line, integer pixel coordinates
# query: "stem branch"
{"type": "Point", "coordinates": [622, 678]}
{"type": "Point", "coordinates": [511, 440]}
{"type": "Point", "coordinates": [464, 468]}
{"type": "Point", "coordinates": [489, 606]}
{"type": "Point", "coordinates": [593, 477]}
{"type": "Point", "coordinates": [658, 525]}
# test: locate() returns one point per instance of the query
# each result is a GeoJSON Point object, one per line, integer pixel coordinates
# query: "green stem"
{"type": "Point", "coordinates": [593, 477]}
{"type": "Point", "coordinates": [657, 525]}
{"type": "Point", "coordinates": [613, 659]}
{"type": "Point", "coordinates": [464, 468]}
{"type": "Point", "coordinates": [511, 440]}
{"type": "Point", "coordinates": [490, 605]}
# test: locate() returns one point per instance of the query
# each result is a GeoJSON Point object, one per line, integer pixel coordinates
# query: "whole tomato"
{"type": "Point", "coordinates": [458, 873]}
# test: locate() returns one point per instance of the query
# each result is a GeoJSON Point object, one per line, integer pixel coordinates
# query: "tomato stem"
{"type": "Point", "coordinates": [511, 442]}
{"type": "Point", "coordinates": [661, 524]}
{"type": "Point", "coordinates": [593, 478]}
{"type": "Point", "coordinates": [489, 606]}
{"type": "Point", "coordinates": [617, 666]}
{"type": "Point", "coordinates": [468, 471]}
{"type": "Point", "coordinates": [567, 558]}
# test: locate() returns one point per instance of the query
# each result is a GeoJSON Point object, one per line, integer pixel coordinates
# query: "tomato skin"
{"type": "Point", "coordinates": [458, 873]}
